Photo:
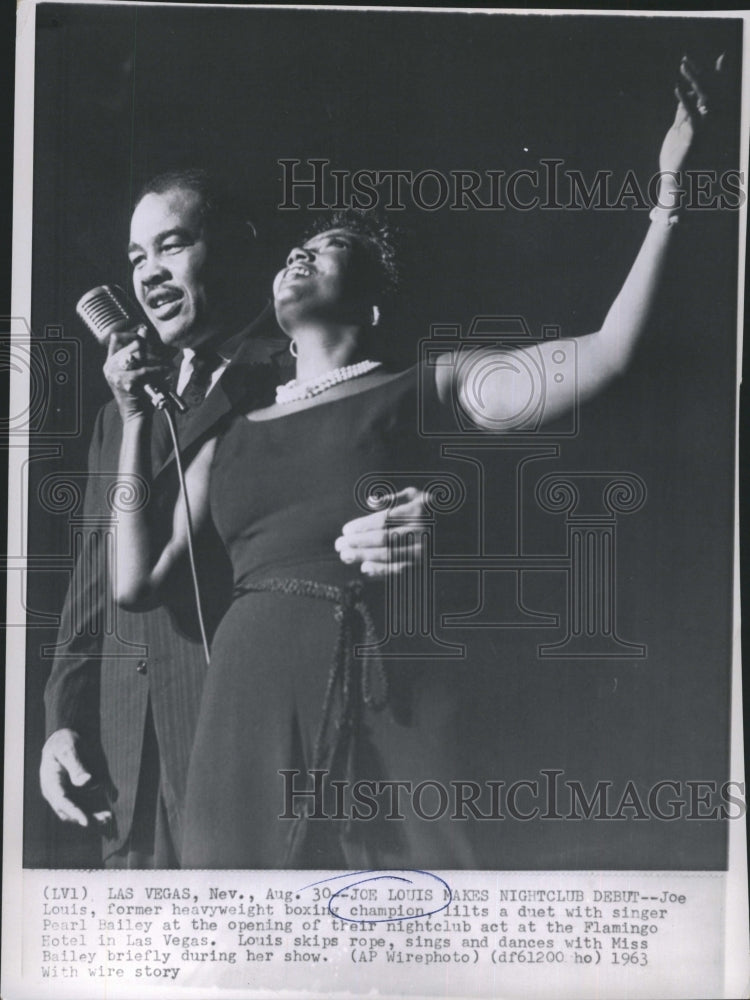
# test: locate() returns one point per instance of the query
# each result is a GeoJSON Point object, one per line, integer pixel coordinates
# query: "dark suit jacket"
{"type": "Point", "coordinates": [110, 662]}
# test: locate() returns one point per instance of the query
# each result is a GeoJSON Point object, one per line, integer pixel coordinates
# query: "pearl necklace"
{"type": "Point", "coordinates": [293, 391]}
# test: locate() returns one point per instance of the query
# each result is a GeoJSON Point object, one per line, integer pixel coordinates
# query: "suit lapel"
{"type": "Point", "coordinates": [161, 441]}
{"type": "Point", "coordinates": [248, 380]}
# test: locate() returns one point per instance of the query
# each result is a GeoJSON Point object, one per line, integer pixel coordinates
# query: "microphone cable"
{"type": "Point", "coordinates": [189, 524]}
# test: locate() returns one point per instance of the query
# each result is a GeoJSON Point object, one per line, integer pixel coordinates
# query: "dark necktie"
{"type": "Point", "coordinates": [203, 365]}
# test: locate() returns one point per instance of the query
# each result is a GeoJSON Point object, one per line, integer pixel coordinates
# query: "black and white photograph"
{"type": "Point", "coordinates": [372, 555]}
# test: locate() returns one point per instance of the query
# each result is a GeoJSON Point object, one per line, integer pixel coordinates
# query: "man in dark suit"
{"type": "Point", "coordinates": [123, 695]}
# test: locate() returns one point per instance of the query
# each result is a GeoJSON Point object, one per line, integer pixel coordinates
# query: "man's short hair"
{"type": "Point", "coordinates": [225, 218]}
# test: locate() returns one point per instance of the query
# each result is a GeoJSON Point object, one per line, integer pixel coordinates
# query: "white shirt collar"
{"type": "Point", "coordinates": [186, 368]}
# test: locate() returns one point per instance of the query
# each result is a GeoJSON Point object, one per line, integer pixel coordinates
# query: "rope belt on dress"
{"type": "Point", "coordinates": [333, 741]}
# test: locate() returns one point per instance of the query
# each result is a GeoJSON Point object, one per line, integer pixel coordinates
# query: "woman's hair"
{"type": "Point", "coordinates": [384, 245]}
{"type": "Point", "coordinates": [380, 241]}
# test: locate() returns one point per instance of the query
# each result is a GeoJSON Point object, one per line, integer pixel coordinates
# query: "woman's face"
{"type": "Point", "coordinates": [327, 277]}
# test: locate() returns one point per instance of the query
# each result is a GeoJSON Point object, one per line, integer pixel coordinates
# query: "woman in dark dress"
{"type": "Point", "coordinates": [289, 704]}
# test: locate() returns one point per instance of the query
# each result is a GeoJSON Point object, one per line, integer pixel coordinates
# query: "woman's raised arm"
{"type": "Point", "coordinates": [492, 385]}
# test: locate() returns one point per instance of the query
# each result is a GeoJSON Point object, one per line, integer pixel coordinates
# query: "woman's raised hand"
{"type": "Point", "coordinates": [696, 93]}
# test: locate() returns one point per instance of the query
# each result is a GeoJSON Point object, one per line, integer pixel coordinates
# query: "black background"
{"type": "Point", "coordinates": [124, 92]}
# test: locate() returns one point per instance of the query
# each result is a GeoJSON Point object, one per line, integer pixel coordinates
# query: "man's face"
{"type": "Point", "coordinates": [169, 255]}
{"type": "Point", "coordinates": [326, 276]}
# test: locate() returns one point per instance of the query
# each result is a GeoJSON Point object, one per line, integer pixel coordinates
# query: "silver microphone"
{"type": "Point", "coordinates": [105, 310]}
